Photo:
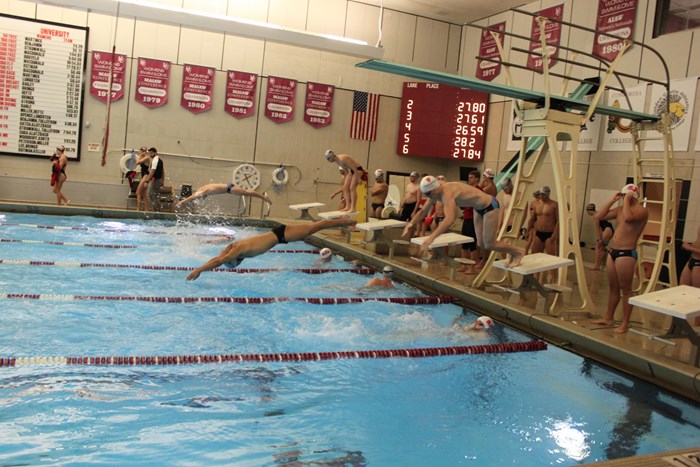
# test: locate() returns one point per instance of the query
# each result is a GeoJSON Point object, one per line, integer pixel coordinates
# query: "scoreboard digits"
{"type": "Point", "coordinates": [442, 121]}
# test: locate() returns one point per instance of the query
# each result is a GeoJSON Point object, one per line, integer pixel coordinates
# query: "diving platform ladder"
{"type": "Point", "coordinates": [656, 179]}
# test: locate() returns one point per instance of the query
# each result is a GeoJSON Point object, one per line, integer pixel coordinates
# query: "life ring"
{"type": "Point", "coordinates": [280, 176]}
{"type": "Point", "coordinates": [122, 163]}
{"type": "Point", "coordinates": [388, 211]}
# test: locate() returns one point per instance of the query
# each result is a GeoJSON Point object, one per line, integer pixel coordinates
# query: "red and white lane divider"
{"type": "Point", "coordinates": [246, 300]}
{"type": "Point", "coordinates": [278, 357]}
{"type": "Point", "coordinates": [73, 264]}
{"type": "Point", "coordinates": [99, 229]}
{"type": "Point", "coordinates": [92, 245]}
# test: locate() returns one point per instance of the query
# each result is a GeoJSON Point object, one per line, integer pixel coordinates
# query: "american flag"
{"type": "Point", "coordinates": [365, 110]}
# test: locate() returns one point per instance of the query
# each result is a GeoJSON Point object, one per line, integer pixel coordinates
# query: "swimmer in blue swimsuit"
{"type": "Point", "coordinates": [631, 218]}
{"type": "Point", "coordinates": [456, 195]}
{"type": "Point", "coordinates": [221, 188]}
{"type": "Point", "coordinates": [236, 252]}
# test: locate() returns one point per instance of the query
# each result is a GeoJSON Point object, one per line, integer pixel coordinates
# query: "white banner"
{"type": "Point", "coordinates": [617, 130]}
{"type": "Point", "coordinates": [682, 108]}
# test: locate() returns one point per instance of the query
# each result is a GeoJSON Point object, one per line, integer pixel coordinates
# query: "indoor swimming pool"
{"type": "Point", "coordinates": [68, 287]}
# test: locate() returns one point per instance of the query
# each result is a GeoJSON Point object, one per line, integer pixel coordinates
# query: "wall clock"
{"type": "Point", "coordinates": [246, 176]}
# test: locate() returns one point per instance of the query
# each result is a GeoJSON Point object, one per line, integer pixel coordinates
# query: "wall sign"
{"type": "Point", "coordinates": [41, 73]}
{"type": "Point", "coordinates": [152, 80]}
{"type": "Point", "coordinates": [240, 93]}
{"type": "Point", "coordinates": [442, 121]}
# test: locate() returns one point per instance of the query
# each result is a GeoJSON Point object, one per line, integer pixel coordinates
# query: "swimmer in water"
{"type": "Point", "coordinates": [482, 323]}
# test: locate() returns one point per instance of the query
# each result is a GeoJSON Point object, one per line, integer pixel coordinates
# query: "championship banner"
{"type": "Point", "coordinates": [240, 93]}
{"type": "Point", "coordinates": [197, 88]}
{"type": "Point", "coordinates": [318, 108]}
{"type": "Point", "coordinates": [488, 49]}
{"type": "Point", "coordinates": [618, 136]}
{"type": "Point", "coordinates": [152, 78]}
{"type": "Point", "coordinates": [99, 75]}
{"type": "Point", "coordinates": [552, 34]}
{"type": "Point", "coordinates": [681, 107]}
{"type": "Point", "coordinates": [614, 17]}
{"type": "Point", "coordinates": [279, 104]}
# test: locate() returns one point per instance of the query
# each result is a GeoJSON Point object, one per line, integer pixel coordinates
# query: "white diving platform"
{"type": "Point", "coordinates": [531, 265]}
{"type": "Point", "coordinates": [338, 215]}
{"type": "Point", "coordinates": [444, 240]}
{"type": "Point", "coordinates": [682, 303]}
{"type": "Point", "coordinates": [377, 228]}
{"type": "Point", "coordinates": [304, 208]}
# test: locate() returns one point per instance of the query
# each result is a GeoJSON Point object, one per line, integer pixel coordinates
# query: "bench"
{"type": "Point", "coordinates": [531, 265]}
{"type": "Point", "coordinates": [682, 303]}
{"type": "Point", "coordinates": [304, 208]}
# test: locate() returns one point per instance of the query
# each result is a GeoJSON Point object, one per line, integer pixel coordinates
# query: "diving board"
{"type": "Point", "coordinates": [557, 102]}
{"type": "Point", "coordinates": [377, 227]}
{"type": "Point", "coordinates": [304, 208]}
{"type": "Point", "coordinates": [682, 303]}
{"type": "Point", "coordinates": [444, 240]}
{"type": "Point", "coordinates": [531, 265]}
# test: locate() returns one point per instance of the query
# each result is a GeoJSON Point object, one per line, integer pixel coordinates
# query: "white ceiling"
{"type": "Point", "coordinates": [452, 11]}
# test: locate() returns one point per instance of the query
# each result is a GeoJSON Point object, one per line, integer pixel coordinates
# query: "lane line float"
{"type": "Point", "coordinates": [92, 245]}
{"type": "Point", "coordinates": [433, 300]}
{"type": "Point", "coordinates": [98, 229]}
{"type": "Point", "coordinates": [75, 264]}
{"type": "Point", "coordinates": [511, 347]}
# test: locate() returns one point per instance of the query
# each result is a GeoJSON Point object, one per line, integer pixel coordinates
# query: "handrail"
{"type": "Point", "coordinates": [615, 36]}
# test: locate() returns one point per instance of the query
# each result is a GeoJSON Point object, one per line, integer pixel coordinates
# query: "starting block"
{"type": "Point", "coordinates": [444, 240]}
{"type": "Point", "coordinates": [304, 208]}
{"type": "Point", "coordinates": [377, 227]}
{"type": "Point", "coordinates": [682, 303]}
{"type": "Point", "coordinates": [531, 265]}
{"type": "Point", "coordinates": [337, 215]}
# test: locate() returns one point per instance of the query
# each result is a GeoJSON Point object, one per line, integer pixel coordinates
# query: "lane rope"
{"type": "Point", "coordinates": [433, 300]}
{"type": "Point", "coordinates": [99, 229]}
{"type": "Point", "coordinates": [511, 347]}
{"type": "Point", "coordinates": [92, 245]}
{"type": "Point", "coordinates": [75, 264]}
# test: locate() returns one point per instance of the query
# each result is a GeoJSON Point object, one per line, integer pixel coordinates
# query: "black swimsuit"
{"type": "Point", "coordinates": [692, 262]}
{"type": "Point", "coordinates": [492, 205]}
{"type": "Point", "coordinates": [279, 231]}
{"type": "Point", "coordinates": [614, 254]}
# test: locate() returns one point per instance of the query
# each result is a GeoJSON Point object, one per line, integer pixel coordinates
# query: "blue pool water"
{"type": "Point", "coordinates": [533, 408]}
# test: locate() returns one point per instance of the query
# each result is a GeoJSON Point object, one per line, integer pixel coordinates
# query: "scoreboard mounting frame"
{"type": "Point", "coordinates": [442, 121]}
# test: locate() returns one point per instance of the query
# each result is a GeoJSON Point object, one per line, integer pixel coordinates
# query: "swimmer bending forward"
{"type": "Point", "coordinates": [455, 195]}
{"type": "Point", "coordinates": [236, 252]}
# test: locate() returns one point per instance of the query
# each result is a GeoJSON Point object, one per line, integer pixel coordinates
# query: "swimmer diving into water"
{"type": "Point", "coordinates": [220, 188]}
{"type": "Point", "coordinates": [236, 252]}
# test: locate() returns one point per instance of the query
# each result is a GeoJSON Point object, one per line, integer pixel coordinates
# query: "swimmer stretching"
{"type": "Point", "coordinates": [236, 252]}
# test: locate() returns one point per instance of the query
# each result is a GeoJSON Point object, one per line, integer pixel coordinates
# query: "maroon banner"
{"type": "Point", "coordinates": [152, 78]}
{"type": "Point", "coordinates": [614, 17]}
{"type": "Point", "coordinates": [552, 34]}
{"type": "Point", "coordinates": [99, 76]}
{"type": "Point", "coordinates": [197, 88]}
{"type": "Point", "coordinates": [240, 93]}
{"type": "Point", "coordinates": [318, 109]}
{"type": "Point", "coordinates": [279, 104]}
{"type": "Point", "coordinates": [488, 48]}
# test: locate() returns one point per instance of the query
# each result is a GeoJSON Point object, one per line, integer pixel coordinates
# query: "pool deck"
{"type": "Point", "coordinates": [659, 362]}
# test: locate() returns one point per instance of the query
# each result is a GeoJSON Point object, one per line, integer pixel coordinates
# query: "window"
{"type": "Point", "coordinates": [676, 15]}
